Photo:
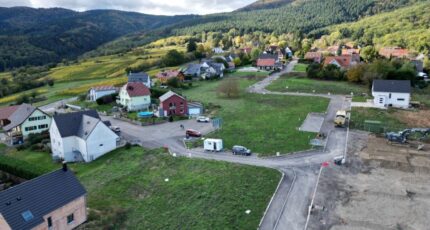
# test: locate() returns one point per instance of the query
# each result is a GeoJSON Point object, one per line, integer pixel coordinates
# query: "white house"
{"type": "Point", "coordinates": [80, 136]}
{"type": "Point", "coordinates": [217, 50]}
{"type": "Point", "coordinates": [101, 91]}
{"type": "Point", "coordinates": [19, 121]}
{"type": "Point", "coordinates": [135, 96]}
{"type": "Point", "coordinates": [140, 77]}
{"type": "Point", "coordinates": [391, 93]}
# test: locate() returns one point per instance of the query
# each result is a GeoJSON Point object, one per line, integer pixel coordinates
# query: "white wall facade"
{"type": "Point", "coordinates": [101, 141]}
{"type": "Point", "coordinates": [37, 122]}
{"type": "Point", "coordinates": [134, 103]}
{"type": "Point", "coordinates": [94, 94]}
{"type": "Point", "coordinates": [386, 99]}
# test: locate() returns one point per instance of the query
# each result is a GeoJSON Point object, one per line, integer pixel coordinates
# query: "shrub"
{"type": "Point", "coordinates": [20, 168]}
{"type": "Point", "coordinates": [107, 99]}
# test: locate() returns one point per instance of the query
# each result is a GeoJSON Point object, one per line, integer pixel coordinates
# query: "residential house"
{"type": "Point", "coordinates": [56, 200]}
{"type": "Point", "coordinates": [350, 51]}
{"type": "Point", "coordinates": [418, 64]}
{"type": "Point", "coordinates": [140, 77]}
{"type": "Point", "coordinates": [80, 136]}
{"type": "Point", "coordinates": [314, 56]}
{"type": "Point", "coordinates": [230, 61]}
{"type": "Point", "coordinates": [269, 62]}
{"type": "Point", "coordinates": [391, 93]}
{"type": "Point", "coordinates": [394, 52]}
{"type": "Point", "coordinates": [173, 104]}
{"type": "Point", "coordinates": [195, 109]}
{"type": "Point", "coordinates": [217, 50]}
{"type": "Point", "coordinates": [333, 49]}
{"type": "Point", "coordinates": [164, 76]}
{"type": "Point", "coordinates": [210, 69]}
{"type": "Point", "coordinates": [192, 71]}
{"type": "Point", "coordinates": [288, 52]}
{"type": "Point", "coordinates": [343, 61]}
{"type": "Point", "coordinates": [101, 91]}
{"type": "Point", "coordinates": [135, 96]}
{"type": "Point", "coordinates": [20, 121]}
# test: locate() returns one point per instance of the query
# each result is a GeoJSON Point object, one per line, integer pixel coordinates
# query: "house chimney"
{"type": "Point", "coordinates": [64, 166]}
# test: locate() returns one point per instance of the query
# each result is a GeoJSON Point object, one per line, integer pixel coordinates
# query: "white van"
{"type": "Point", "coordinates": [214, 145]}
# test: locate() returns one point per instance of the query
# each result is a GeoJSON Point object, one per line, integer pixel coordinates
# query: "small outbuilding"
{"type": "Point", "coordinates": [391, 93]}
{"type": "Point", "coordinates": [215, 145]}
{"type": "Point", "coordinates": [195, 109]}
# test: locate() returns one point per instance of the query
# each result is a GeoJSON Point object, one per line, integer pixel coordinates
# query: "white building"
{"type": "Point", "coordinates": [20, 121]}
{"type": "Point", "coordinates": [135, 96]}
{"type": "Point", "coordinates": [101, 91]}
{"type": "Point", "coordinates": [140, 77]}
{"type": "Point", "coordinates": [391, 93]}
{"type": "Point", "coordinates": [80, 136]}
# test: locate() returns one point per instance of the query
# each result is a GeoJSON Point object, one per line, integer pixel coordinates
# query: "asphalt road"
{"type": "Point", "coordinates": [288, 209]}
{"type": "Point", "coordinates": [51, 108]}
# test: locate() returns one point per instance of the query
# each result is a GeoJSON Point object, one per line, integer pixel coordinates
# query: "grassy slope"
{"type": "Point", "coordinates": [300, 68]}
{"type": "Point", "coordinates": [306, 85]}
{"type": "Point", "coordinates": [127, 191]}
{"type": "Point", "coordinates": [265, 123]}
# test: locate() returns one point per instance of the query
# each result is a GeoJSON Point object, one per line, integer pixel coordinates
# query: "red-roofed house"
{"type": "Point", "coordinates": [101, 91]}
{"type": "Point", "coordinates": [5, 113]}
{"type": "Point", "coordinates": [395, 52]}
{"type": "Point", "coordinates": [164, 76]}
{"type": "Point", "coordinates": [135, 96]}
{"type": "Point", "coordinates": [343, 61]}
{"type": "Point", "coordinates": [314, 56]}
{"type": "Point", "coordinates": [268, 62]}
{"type": "Point", "coordinates": [173, 104]}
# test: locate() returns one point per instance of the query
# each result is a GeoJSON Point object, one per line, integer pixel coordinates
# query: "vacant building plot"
{"type": "Point", "coordinates": [383, 186]}
{"type": "Point", "coordinates": [313, 123]}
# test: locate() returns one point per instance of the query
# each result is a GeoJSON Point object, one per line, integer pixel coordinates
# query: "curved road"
{"type": "Point", "coordinates": [288, 209]}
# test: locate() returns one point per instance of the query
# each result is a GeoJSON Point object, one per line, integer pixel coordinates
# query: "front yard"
{"type": "Point", "coordinates": [267, 124]}
{"type": "Point", "coordinates": [149, 189]}
{"type": "Point", "coordinates": [301, 68]}
{"type": "Point", "coordinates": [291, 83]}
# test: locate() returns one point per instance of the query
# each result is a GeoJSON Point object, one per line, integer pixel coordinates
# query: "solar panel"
{"type": "Point", "coordinates": [27, 215]}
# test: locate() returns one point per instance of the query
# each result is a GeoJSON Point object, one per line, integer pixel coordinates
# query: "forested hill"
{"type": "Point", "coordinates": [408, 27]}
{"type": "Point", "coordinates": [296, 17]}
{"type": "Point", "coordinates": [39, 36]}
{"type": "Point", "coordinates": [265, 4]}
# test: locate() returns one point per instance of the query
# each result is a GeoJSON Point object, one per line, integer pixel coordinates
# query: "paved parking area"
{"type": "Point", "coordinates": [313, 123]}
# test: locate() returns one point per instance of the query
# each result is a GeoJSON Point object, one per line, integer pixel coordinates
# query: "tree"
{"type": "Point", "coordinates": [355, 74]}
{"type": "Point", "coordinates": [427, 63]}
{"type": "Point", "coordinates": [191, 45]}
{"type": "Point", "coordinates": [237, 62]}
{"type": "Point", "coordinates": [50, 82]}
{"type": "Point", "coordinates": [174, 82]}
{"type": "Point", "coordinates": [313, 70]}
{"type": "Point", "coordinates": [220, 60]}
{"type": "Point", "coordinates": [255, 53]}
{"type": "Point", "coordinates": [229, 88]}
{"type": "Point", "coordinates": [173, 58]}
{"type": "Point", "coordinates": [369, 53]}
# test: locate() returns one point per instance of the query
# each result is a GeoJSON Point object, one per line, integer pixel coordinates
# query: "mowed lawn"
{"type": "Point", "coordinates": [300, 68]}
{"type": "Point", "coordinates": [127, 189]}
{"type": "Point", "coordinates": [288, 83]}
{"type": "Point", "coordinates": [265, 123]}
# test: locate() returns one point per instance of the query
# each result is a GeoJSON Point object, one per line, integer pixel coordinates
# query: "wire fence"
{"type": "Point", "coordinates": [375, 128]}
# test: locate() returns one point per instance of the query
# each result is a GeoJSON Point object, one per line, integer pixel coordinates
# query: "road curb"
{"type": "Point", "coordinates": [286, 201]}
{"type": "Point", "coordinates": [271, 199]}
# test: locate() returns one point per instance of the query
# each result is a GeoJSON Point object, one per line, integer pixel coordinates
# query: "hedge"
{"type": "Point", "coordinates": [20, 168]}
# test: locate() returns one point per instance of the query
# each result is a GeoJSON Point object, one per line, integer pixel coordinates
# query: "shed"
{"type": "Point", "coordinates": [195, 109]}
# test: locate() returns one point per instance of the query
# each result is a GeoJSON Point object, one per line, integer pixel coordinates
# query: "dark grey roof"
{"type": "Point", "coordinates": [193, 69]}
{"type": "Point", "coordinates": [76, 124]}
{"type": "Point", "coordinates": [193, 104]}
{"type": "Point", "coordinates": [268, 56]}
{"type": "Point", "coordinates": [19, 116]}
{"type": "Point", "coordinates": [217, 66]}
{"type": "Point", "coordinates": [40, 196]}
{"type": "Point", "coordinates": [395, 86]}
{"type": "Point", "coordinates": [138, 77]}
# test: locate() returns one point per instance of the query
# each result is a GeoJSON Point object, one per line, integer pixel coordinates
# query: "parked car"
{"type": "Point", "coordinates": [240, 150]}
{"type": "Point", "coordinates": [203, 119]}
{"type": "Point", "coordinates": [116, 129]}
{"type": "Point", "coordinates": [192, 133]}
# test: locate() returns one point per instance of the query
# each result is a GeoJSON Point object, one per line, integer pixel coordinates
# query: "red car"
{"type": "Point", "coordinates": [192, 133]}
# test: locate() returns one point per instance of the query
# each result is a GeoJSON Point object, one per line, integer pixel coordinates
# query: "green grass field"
{"type": "Point", "coordinates": [300, 68]}
{"type": "Point", "coordinates": [359, 115]}
{"type": "Point", "coordinates": [265, 123]}
{"type": "Point", "coordinates": [127, 190]}
{"type": "Point", "coordinates": [248, 74]}
{"type": "Point", "coordinates": [305, 85]}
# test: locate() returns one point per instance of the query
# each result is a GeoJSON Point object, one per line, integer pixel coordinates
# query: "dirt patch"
{"type": "Point", "coordinates": [412, 119]}
{"type": "Point", "coordinates": [382, 186]}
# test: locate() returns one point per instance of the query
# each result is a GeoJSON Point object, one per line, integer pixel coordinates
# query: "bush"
{"type": "Point", "coordinates": [157, 92]}
{"type": "Point", "coordinates": [20, 168]}
{"type": "Point", "coordinates": [107, 99]}
{"type": "Point", "coordinates": [127, 145]}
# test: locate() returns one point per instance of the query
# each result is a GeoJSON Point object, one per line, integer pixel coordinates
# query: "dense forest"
{"type": "Point", "coordinates": [39, 36]}
{"type": "Point", "coordinates": [408, 27]}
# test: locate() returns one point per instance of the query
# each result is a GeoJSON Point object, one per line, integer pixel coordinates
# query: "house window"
{"type": "Point", "coordinates": [389, 96]}
{"type": "Point", "coordinates": [27, 216]}
{"type": "Point", "coordinates": [101, 145]}
{"type": "Point", "coordinates": [182, 111]}
{"type": "Point", "coordinates": [400, 99]}
{"type": "Point", "coordinates": [70, 218]}
{"type": "Point", "coordinates": [381, 100]}
{"type": "Point", "coordinates": [49, 223]}
{"type": "Point", "coordinates": [44, 126]}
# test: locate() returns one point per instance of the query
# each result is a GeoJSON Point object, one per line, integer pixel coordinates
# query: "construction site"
{"type": "Point", "coordinates": [383, 185]}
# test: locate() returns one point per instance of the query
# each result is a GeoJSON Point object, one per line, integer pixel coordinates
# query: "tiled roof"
{"type": "Point", "coordinates": [344, 61]}
{"type": "Point", "coordinates": [78, 124]}
{"type": "Point", "coordinates": [169, 95]}
{"type": "Point", "coordinates": [137, 89]}
{"type": "Point", "coordinates": [266, 62]}
{"type": "Point", "coordinates": [168, 74]}
{"type": "Point", "coordinates": [138, 77]}
{"type": "Point", "coordinates": [6, 112]}
{"type": "Point", "coordinates": [104, 88]}
{"type": "Point", "coordinates": [393, 52]}
{"type": "Point", "coordinates": [40, 196]}
{"type": "Point", "coordinates": [19, 116]}
{"type": "Point", "coordinates": [312, 55]}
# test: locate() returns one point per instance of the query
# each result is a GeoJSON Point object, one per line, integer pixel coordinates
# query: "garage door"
{"type": "Point", "coordinates": [194, 111]}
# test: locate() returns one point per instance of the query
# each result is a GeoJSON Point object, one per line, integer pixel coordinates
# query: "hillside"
{"type": "Point", "coordinates": [408, 27]}
{"type": "Point", "coordinates": [39, 36]}
{"type": "Point", "coordinates": [265, 4]}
